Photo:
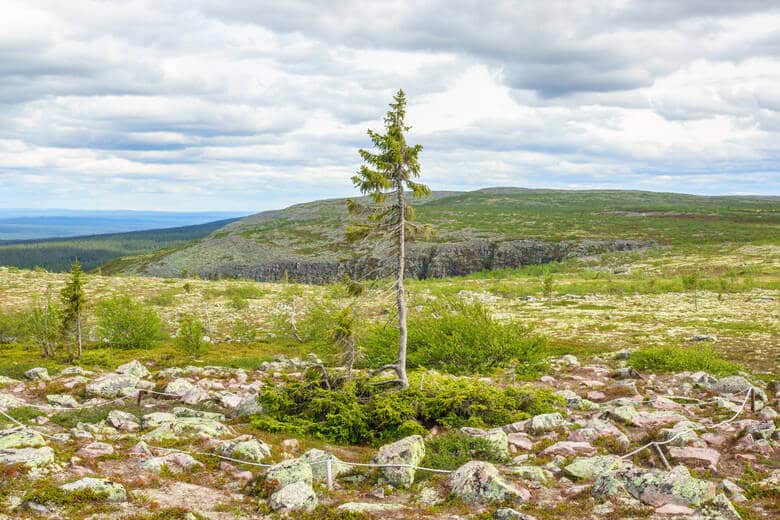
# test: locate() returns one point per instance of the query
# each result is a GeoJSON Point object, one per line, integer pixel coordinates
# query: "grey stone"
{"type": "Point", "coordinates": [37, 374]}
{"type": "Point", "coordinates": [316, 459]}
{"type": "Point", "coordinates": [294, 497]}
{"type": "Point", "coordinates": [288, 472]}
{"type": "Point", "coordinates": [29, 458]}
{"type": "Point", "coordinates": [545, 422]}
{"type": "Point", "coordinates": [479, 482]}
{"type": "Point", "coordinates": [497, 438]}
{"type": "Point", "coordinates": [133, 368]}
{"type": "Point", "coordinates": [408, 451]}
{"type": "Point", "coordinates": [112, 385]}
{"type": "Point", "coordinates": [100, 488]}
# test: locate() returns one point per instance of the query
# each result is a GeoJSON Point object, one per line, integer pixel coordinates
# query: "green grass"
{"type": "Point", "coordinates": [679, 359]}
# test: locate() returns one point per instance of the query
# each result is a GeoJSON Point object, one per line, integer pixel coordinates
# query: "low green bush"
{"type": "Point", "coordinates": [126, 323]}
{"type": "Point", "coordinates": [14, 327]}
{"type": "Point", "coordinates": [453, 449]}
{"type": "Point", "coordinates": [361, 413]}
{"type": "Point", "coordinates": [459, 338]}
{"type": "Point", "coordinates": [190, 336]}
{"type": "Point", "coordinates": [679, 359]}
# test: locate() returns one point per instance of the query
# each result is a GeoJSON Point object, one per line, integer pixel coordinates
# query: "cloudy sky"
{"type": "Point", "coordinates": [248, 105]}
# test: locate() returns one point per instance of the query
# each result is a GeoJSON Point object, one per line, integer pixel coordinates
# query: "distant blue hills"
{"type": "Point", "coordinates": [36, 224]}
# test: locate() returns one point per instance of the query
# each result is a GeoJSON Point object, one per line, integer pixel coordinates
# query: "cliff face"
{"type": "Point", "coordinates": [429, 260]}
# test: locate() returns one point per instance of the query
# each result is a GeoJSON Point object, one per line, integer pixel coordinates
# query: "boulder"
{"type": "Point", "coordinates": [179, 387]}
{"type": "Point", "coordinates": [506, 513]}
{"type": "Point", "coordinates": [245, 448]}
{"type": "Point", "coordinates": [408, 451]}
{"type": "Point", "coordinates": [37, 374]}
{"type": "Point", "coordinates": [719, 508]}
{"type": "Point", "coordinates": [294, 497]}
{"type": "Point", "coordinates": [63, 400]}
{"type": "Point", "coordinates": [112, 385]}
{"type": "Point", "coordinates": [95, 450]}
{"type": "Point", "coordinates": [545, 423]}
{"type": "Point", "coordinates": [289, 472]}
{"type": "Point", "coordinates": [657, 488]}
{"type": "Point", "coordinates": [195, 395]}
{"type": "Point", "coordinates": [586, 468]}
{"type": "Point", "coordinates": [187, 427]}
{"type": "Point", "coordinates": [5, 380]}
{"type": "Point", "coordinates": [623, 414]}
{"type": "Point", "coordinates": [696, 457]}
{"type": "Point", "coordinates": [155, 419]}
{"type": "Point", "coordinates": [248, 405]}
{"type": "Point", "coordinates": [479, 482]}
{"type": "Point", "coordinates": [8, 401]}
{"type": "Point", "coordinates": [133, 368]}
{"type": "Point", "coordinates": [181, 411]}
{"type": "Point", "coordinates": [123, 421]}
{"type": "Point", "coordinates": [176, 462]}
{"type": "Point", "coordinates": [29, 458]}
{"type": "Point", "coordinates": [21, 438]}
{"type": "Point", "coordinates": [569, 449]}
{"type": "Point", "coordinates": [496, 437]}
{"type": "Point", "coordinates": [317, 458]}
{"type": "Point", "coordinates": [534, 473]}
{"type": "Point", "coordinates": [731, 385]}
{"type": "Point", "coordinates": [99, 488]}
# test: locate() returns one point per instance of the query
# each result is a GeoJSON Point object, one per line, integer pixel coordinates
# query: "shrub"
{"type": "Point", "coordinates": [190, 336]}
{"type": "Point", "coordinates": [14, 327]}
{"type": "Point", "coordinates": [125, 323]}
{"type": "Point", "coordinates": [360, 413]}
{"type": "Point", "coordinates": [453, 449]}
{"type": "Point", "coordinates": [678, 359]}
{"type": "Point", "coordinates": [459, 338]}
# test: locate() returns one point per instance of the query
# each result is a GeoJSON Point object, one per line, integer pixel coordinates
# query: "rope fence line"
{"type": "Point", "coordinates": [328, 461]}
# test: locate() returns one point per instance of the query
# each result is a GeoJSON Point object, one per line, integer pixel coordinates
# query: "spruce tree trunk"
{"type": "Point", "coordinates": [403, 379]}
{"type": "Point", "coordinates": [78, 335]}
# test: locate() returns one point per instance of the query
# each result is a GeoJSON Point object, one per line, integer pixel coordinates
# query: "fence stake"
{"type": "Point", "coordinates": [140, 393]}
{"type": "Point", "coordinates": [662, 457]}
{"type": "Point", "coordinates": [329, 472]}
{"type": "Point", "coordinates": [752, 399]}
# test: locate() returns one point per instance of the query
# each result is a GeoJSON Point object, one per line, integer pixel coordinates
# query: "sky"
{"type": "Point", "coordinates": [194, 105]}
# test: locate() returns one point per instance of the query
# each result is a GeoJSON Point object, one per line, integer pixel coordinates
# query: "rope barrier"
{"type": "Point", "coordinates": [328, 461]}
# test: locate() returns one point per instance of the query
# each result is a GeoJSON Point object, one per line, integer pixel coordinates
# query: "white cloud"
{"type": "Point", "coordinates": [202, 105]}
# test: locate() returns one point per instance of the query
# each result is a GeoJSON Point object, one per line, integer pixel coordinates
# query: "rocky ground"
{"type": "Point", "coordinates": [80, 444]}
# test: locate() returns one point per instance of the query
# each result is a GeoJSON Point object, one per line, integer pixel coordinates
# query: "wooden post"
{"type": "Point", "coordinates": [661, 456]}
{"type": "Point", "coordinates": [752, 399]}
{"type": "Point", "coordinates": [140, 393]}
{"type": "Point", "coordinates": [329, 472]}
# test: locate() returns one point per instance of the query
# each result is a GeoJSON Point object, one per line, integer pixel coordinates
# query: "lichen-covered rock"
{"type": "Point", "coordinates": [731, 385]}
{"type": "Point", "coordinates": [195, 395]}
{"type": "Point", "coordinates": [179, 386]}
{"type": "Point", "coordinates": [133, 368]}
{"type": "Point", "coordinates": [5, 380]}
{"type": "Point", "coordinates": [294, 497]}
{"type": "Point", "coordinates": [63, 400]}
{"type": "Point", "coordinates": [181, 411]}
{"type": "Point", "coordinates": [8, 401]}
{"type": "Point", "coordinates": [707, 457]}
{"type": "Point", "coordinates": [112, 385]}
{"type": "Point", "coordinates": [187, 427]}
{"type": "Point", "coordinates": [496, 437]}
{"type": "Point", "coordinates": [288, 472]}
{"type": "Point", "coordinates": [506, 513]}
{"type": "Point", "coordinates": [245, 448]}
{"type": "Point", "coordinates": [37, 374]}
{"type": "Point", "coordinates": [408, 451]}
{"type": "Point", "coordinates": [99, 488]}
{"type": "Point", "coordinates": [248, 405]}
{"type": "Point", "coordinates": [29, 458]}
{"type": "Point", "coordinates": [174, 462]}
{"type": "Point", "coordinates": [545, 422]}
{"type": "Point", "coordinates": [21, 438]}
{"type": "Point", "coordinates": [479, 482]}
{"type": "Point", "coordinates": [317, 460]}
{"type": "Point", "coordinates": [123, 421]}
{"type": "Point", "coordinates": [656, 488]}
{"type": "Point", "coordinates": [533, 473]}
{"type": "Point", "coordinates": [155, 419]}
{"type": "Point", "coordinates": [624, 414]}
{"type": "Point", "coordinates": [569, 449]}
{"type": "Point", "coordinates": [586, 468]}
{"type": "Point", "coordinates": [719, 508]}
{"type": "Point", "coordinates": [95, 450]}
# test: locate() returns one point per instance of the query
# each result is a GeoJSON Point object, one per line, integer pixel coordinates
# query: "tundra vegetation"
{"type": "Point", "coordinates": [526, 388]}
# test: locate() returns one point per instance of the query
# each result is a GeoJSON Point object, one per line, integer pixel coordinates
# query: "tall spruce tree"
{"type": "Point", "coordinates": [73, 302]}
{"type": "Point", "coordinates": [386, 174]}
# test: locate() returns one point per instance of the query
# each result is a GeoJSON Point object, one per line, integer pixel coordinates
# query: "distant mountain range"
{"type": "Point", "coordinates": [33, 224]}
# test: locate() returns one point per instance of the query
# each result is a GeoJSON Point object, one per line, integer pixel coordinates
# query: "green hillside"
{"type": "Point", "coordinates": [261, 245]}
